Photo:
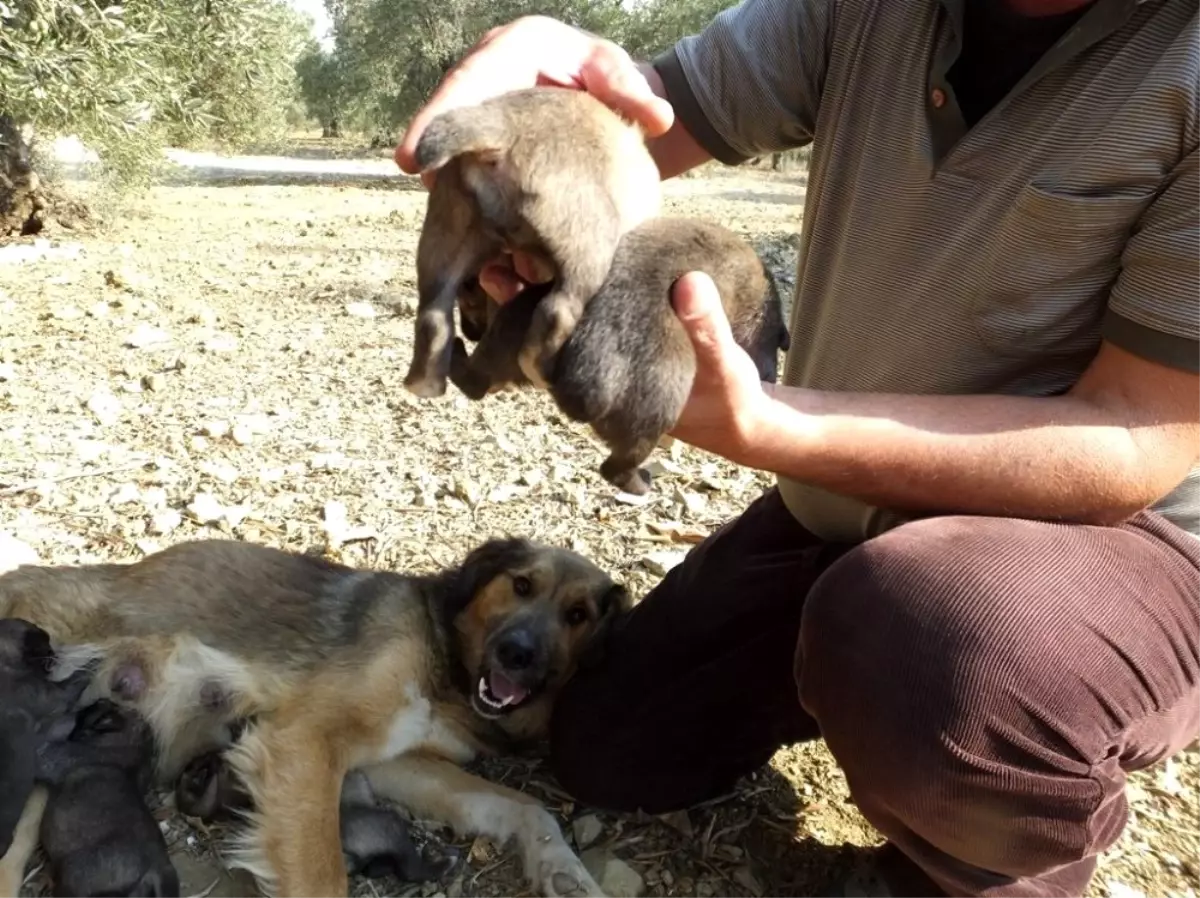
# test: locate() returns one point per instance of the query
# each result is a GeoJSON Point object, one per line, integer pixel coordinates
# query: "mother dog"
{"type": "Point", "coordinates": [404, 677]}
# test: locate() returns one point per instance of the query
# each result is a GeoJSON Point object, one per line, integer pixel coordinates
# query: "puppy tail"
{"type": "Point", "coordinates": [473, 129]}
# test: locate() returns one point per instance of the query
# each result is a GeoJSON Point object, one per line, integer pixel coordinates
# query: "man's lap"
{"type": "Point", "coordinates": [697, 687]}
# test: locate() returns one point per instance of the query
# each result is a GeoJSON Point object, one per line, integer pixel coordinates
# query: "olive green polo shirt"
{"type": "Point", "coordinates": [941, 259]}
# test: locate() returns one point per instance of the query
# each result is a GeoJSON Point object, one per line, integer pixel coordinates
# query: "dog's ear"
{"type": "Point", "coordinates": [482, 565]}
{"type": "Point", "coordinates": [613, 606]}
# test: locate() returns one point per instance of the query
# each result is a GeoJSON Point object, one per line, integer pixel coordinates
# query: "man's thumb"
{"type": "Point", "coordinates": [698, 305]}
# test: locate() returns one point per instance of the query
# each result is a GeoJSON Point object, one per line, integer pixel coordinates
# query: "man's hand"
{"type": "Point", "coordinates": [727, 405]}
{"type": "Point", "coordinates": [533, 51]}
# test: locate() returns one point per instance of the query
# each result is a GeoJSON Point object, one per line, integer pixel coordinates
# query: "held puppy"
{"type": "Point", "coordinates": [34, 711]}
{"type": "Point", "coordinates": [403, 677]}
{"type": "Point", "coordinates": [98, 834]}
{"type": "Point", "coordinates": [628, 367]}
{"type": "Point", "coordinates": [548, 170]}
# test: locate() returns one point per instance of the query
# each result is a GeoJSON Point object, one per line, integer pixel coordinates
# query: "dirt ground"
{"type": "Point", "coordinates": [227, 361]}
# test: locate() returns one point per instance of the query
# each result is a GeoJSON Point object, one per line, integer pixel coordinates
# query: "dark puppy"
{"type": "Point", "coordinates": [547, 170]}
{"type": "Point", "coordinates": [97, 832]}
{"type": "Point", "coordinates": [628, 366]}
{"type": "Point", "coordinates": [375, 840]}
{"type": "Point", "coordinates": [33, 712]}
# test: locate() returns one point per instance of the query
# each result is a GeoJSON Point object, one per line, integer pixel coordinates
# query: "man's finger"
{"type": "Point", "coordinates": [611, 77]}
{"type": "Point", "coordinates": [698, 305]}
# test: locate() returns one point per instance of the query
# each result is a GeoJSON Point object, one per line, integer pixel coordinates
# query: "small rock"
{"type": "Point", "coordinates": [91, 450]}
{"type": "Point", "coordinates": [532, 477]}
{"type": "Point", "coordinates": [105, 407]}
{"type": "Point", "coordinates": [214, 429]}
{"type": "Point", "coordinates": [661, 562]}
{"type": "Point", "coordinates": [220, 343]}
{"type": "Point", "coordinates": [202, 315]}
{"type": "Point", "coordinates": [587, 829]}
{"type": "Point", "coordinates": [145, 336]}
{"type": "Point", "coordinates": [99, 310]}
{"type": "Point", "coordinates": [747, 880]}
{"type": "Point", "coordinates": [66, 313]}
{"type": "Point", "coordinates": [205, 508]}
{"type": "Point", "coordinates": [218, 471]}
{"type": "Point", "coordinates": [155, 383]}
{"type": "Point", "coordinates": [146, 546]}
{"type": "Point", "coordinates": [328, 461]}
{"type": "Point", "coordinates": [14, 553]}
{"type": "Point", "coordinates": [695, 503]}
{"type": "Point", "coordinates": [360, 310]}
{"type": "Point", "coordinates": [132, 386]}
{"type": "Point", "coordinates": [631, 499]}
{"type": "Point", "coordinates": [154, 497]}
{"type": "Point", "coordinates": [616, 878]}
{"type": "Point", "coordinates": [504, 493]}
{"type": "Point", "coordinates": [124, 495]}
{"type": "Point", "coordinates": [235, 514]}
{"type": "Point", "coordinates": [197, 444]}
{"type": "Point", "coordinates": [7, 372]}
{"type": "Point", "coordinates": [242, 435]}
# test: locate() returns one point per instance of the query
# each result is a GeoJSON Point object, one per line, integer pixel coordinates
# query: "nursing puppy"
{"type": "Point", "coordinates": [403, 677]}
{"type": "Point", "coordinates": [34, 712]}
{"type": "Point", "coordinates": [551, 171]}
{"type": "Point", "coordinates": [375, 839]}
{"type": "Point", "coordinates": [628, 367]}
{"type": "Point", "coordinates": [97, 832]}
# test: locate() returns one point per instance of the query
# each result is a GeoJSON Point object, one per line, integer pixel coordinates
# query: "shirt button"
{"type": "Point", "coordinates": [938, 98]}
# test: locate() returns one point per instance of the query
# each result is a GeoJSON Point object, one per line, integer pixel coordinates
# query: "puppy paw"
{"type": "Point", "coordinates": [425, 386]}
{"type": "Point", "coordinates": [635, 481]}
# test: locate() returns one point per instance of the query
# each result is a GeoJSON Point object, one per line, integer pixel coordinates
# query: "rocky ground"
{"type": "Point", "coordinates": [226, 360]}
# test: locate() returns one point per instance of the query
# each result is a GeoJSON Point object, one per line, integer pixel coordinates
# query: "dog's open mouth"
{"type": "Point", "coordinates": [497, 694]}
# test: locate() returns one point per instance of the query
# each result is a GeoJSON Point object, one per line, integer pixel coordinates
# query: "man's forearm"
{"type": "Point", "coordinates": [1056, 458]}
{"type": "Point", "coordinates": [676, 151]}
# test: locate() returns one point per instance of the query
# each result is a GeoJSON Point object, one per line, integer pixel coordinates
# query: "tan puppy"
{"type": "Point", "coordinates": [403, 677]}
{"type": "Point", "coordinates": [547, 170]}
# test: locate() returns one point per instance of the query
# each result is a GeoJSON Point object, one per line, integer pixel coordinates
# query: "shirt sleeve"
{"type": "Point", "coordinates": [1154, 307]}
{"type": "Point", "coordinates": [750, 83]}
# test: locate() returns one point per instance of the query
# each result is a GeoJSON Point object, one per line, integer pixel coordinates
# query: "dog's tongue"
{"type": "Point", "coordinates": [505, 689]}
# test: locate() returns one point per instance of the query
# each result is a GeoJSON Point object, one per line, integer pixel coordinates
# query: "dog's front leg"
{"type": "Point", "coordinates": [445, 793]}
{"type": "Point", "coordinates": [24, 844]}
{"type": "Point", "coordinates": [294, 777]}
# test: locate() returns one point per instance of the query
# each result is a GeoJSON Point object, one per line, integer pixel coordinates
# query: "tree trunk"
{"type": "Point", "coordinates": [21, 199]}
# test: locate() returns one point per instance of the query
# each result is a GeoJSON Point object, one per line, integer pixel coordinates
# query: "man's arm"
{"type": "Point", "coordinates": [1123, 438]}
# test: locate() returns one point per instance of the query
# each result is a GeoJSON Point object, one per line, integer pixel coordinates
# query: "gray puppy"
{"type": "Point", "coordinates": [376, 840]}
{"type": "Point", "coordinates": [628, 367]}
{"type": "Point", "coordinates": [547, 170]}
{"type": "Point", "coordinates": [34, 711]}
{"type": "Point", "coordinates": [97, 832]}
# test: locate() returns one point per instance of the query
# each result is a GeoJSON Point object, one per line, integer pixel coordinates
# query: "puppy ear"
{"type": "Point", "coordinates": [482, 565]}
{"type": "Point", "coordinates": [613, 606]}
{"type": "Point", "coordinates": [36, 649]}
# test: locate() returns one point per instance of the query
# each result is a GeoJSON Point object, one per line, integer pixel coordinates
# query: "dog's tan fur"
{"type": "Point", "coordinates": [338, 670]}
{"type": "Point", "coordinates": [550, 171]}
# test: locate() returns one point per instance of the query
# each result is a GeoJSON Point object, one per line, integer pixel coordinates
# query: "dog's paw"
{"type": "Point", "coordinates": [563, 875]}
{"type": "Point", "coordinates": [425, 386]}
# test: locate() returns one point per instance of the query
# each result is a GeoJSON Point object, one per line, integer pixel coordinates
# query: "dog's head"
{"type": "Point", "coordinates": [526, 616]}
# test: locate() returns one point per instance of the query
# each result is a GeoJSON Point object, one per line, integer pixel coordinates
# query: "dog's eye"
{"type": "Point", "coordinates": [577, 615]}
{"type": "Point", "coordinates": [522, 586]}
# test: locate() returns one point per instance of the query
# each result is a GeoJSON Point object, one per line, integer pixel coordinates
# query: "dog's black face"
{"type": "Point", "coordinates": [526, 616]}
{"type": "Point", "coordinates": [123, 737]}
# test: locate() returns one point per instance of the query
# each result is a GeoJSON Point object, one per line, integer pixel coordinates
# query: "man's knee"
{"type": "Point", "coordinates": [932, 658]}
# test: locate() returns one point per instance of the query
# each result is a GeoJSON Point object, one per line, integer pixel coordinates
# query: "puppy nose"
{"type": "Point", "coordinates": [517, 650]}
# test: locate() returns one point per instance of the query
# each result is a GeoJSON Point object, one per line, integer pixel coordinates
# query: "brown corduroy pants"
{"type": "Point", "coordinates": [985, 683]}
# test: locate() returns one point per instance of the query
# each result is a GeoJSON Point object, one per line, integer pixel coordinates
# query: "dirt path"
{"type": "Point", "coordinates": [229, 362]}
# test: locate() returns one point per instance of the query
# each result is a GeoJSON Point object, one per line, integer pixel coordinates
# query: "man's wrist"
{"type": "Point", "coordinates": [778, 435]}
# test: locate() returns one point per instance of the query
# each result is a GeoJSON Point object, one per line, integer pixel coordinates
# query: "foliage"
{"type": "Point", "coordinates": [128, 77]}
{"type": "Point", "coordinates": [388, 55]}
